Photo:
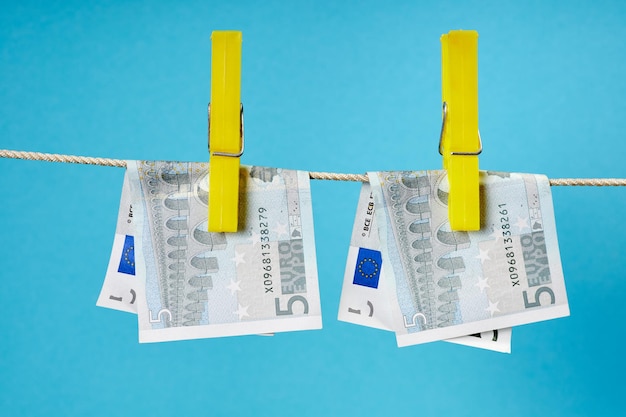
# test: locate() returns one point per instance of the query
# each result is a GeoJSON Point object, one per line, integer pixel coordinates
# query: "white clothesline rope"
{"type": "Point", "coordinates": [333, 176]}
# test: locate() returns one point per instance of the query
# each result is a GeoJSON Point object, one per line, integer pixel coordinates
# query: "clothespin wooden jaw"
{"type": "Point", "coordinates": [225, 131]}
{"type": "Point", "coordinates": [460, 141]}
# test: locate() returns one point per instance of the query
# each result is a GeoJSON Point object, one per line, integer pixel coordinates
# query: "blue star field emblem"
{"type": "Point", "coordinates": [127, 260]}
{"type": "Point", "coordinates": [367, 269]}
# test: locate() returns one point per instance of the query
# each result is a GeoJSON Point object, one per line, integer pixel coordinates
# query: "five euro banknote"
{"type": "Point", "coordinates": [365, 295]}
{"type": "Point", "coordinates": [446, 283]}
{"type": "Point", "coordinates": [199, 284]}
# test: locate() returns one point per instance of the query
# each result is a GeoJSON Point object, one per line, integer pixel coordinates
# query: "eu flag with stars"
{"type": "Point", "coordinates": [367, 269]}
{"type": "Point", "coordinates": [127, 260]}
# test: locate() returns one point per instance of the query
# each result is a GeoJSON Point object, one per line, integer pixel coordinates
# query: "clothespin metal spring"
{"type": "Point", "coordinates": [443, 129]}
{"type": "Point", "coordinates": [241, 135]}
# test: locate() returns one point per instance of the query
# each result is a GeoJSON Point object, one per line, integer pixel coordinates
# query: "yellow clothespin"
{"type": "Point", "coordinates": [226, 140]}
{"type": "Point", "coordinates": [459, 142]}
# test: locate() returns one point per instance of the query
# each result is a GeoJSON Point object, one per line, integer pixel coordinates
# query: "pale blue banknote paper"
{"type": "Point", "coordinates": [198, 284]}
{"type": "Point", "coordinates": [119, 289]}
{"type": "Point", "coordinates": [448, 284]}
{"type": "Point", "coordinates": [369, 304]}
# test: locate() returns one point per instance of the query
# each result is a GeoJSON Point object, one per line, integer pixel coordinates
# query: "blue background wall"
{"type": "Point", "coordinates": [327, 86]}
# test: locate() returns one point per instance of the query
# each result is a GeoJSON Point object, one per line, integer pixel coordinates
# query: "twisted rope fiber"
{"type": "Point", "coordinates": [89, 160]}
{"type": "Point", "coordinates": [53, 157]}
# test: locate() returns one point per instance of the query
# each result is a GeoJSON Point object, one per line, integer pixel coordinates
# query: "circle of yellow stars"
{"type": "Point", "coordinates": [363, 261]}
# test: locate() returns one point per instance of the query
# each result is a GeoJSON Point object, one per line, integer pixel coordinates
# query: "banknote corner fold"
{"type": "Point", "coordinates": [367, 268]}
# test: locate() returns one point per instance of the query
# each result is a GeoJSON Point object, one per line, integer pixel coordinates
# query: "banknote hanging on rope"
{"type": "Point", "coordinates": [190, 283]}
{"type": "Point", "coordinates": [443, 284]}
{"type": "Point", "coordinates": [365, 295]}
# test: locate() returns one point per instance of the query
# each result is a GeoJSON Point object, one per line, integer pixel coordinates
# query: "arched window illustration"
{"type": "Point", "coordinates": [177, 281]}
{"type": "Point", "coordinates": [192, 319]}
{"type": "Point", "coordinates": [457, 239]}
{"type": "Point", "coordinates": [423, 245]}
{"type": "Point", "coordinates": [198, 295]}
{"type": "Point", "coordinates": [215, 241]}
{"type": "Point", "coordinates": [419, 205]}
{"type": "Point", "coordinates": [177, 223]}
{"type": "Point", "coordinates": [178, 241]}
{"type": "Point", "coordinates": [177, 254]}
{"type": "Point", "coordinates": [424, 257]}
{"type": "Point", "coordinates": [425, 269]}
{"type": "Point", "coordinates": [205, 262]}
{"type": "Point", "coordinates": [204, 281]}
{"type": "Point", "coordinates": [421, 228]}
{"type": "Point", "coordinates": [450, 282]}
{"type": "Point", "coordinates": [452, 264]}
{"type": "Point", "coordinates": [176, 277]}
{"type": "Point", "coordinates": [177, 266]}
{"type": "Point", "coordinates": [175, 178]}
{"type": "Point", "coordinates": [448, 296]}
{"type": "Point", "coordinates": [442, 196]}
{"type": "Point", "coordinates": [177, 201]}
{"type": "Point", "coordinates": [426, 279]}
{"type": "Point", "coordinates": [201, 188]}
{"type": "Point", "coordinates": [416, 182]}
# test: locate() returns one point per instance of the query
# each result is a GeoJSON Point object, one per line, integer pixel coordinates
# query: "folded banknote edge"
{"type": "Point", "coordinates": [510, 320]}
{"type": "Point", "coordinates": [229, 329]}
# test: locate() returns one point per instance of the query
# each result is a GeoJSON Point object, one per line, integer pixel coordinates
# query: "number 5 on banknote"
{"type": "Point", "coordinates": [366, 296]}
{"type": "Point", "coordinates": [507, 273]}
{"type": "Point", "coordinates": [261, 279]}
